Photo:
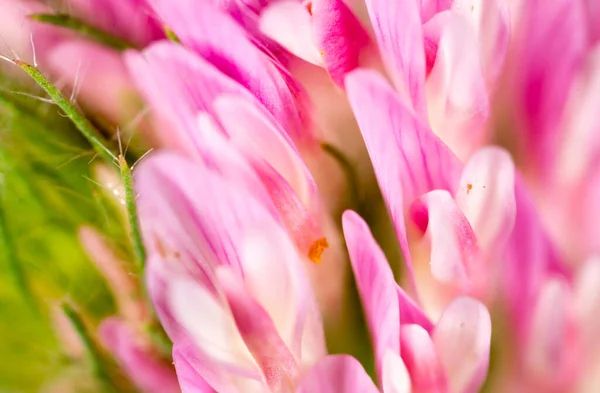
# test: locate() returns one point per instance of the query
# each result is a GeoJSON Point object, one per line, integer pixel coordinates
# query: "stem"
{"type": "Point", "coordinates": [348, 169]}
{"type": "Point", "coordinates": [136, 236]}
{"type": "Point", "coordinates": [77, 117]}
{"type": "Point", "coordinates": [70, 22]}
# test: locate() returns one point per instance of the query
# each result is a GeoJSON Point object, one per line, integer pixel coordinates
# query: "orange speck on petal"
{"type": "Point", "coordinates": [469, 187]}
{"type": "Point", "coordinates": [316, 250]}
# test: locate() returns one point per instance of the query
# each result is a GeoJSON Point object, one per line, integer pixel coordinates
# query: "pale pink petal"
{"type": "Point", "coordinates": [376, 286]}
{"type": "Point", "coordinates": [337, 374]}
{"type": "Point", "coordinates": [421, 360]}
{"type": "Point", "coordinates": [453, 245]}
{"type": "Point", "coordinates": [408, 158]}
{"type": "Point", "coordinates": [550, 352]}
{"type": "Point", "coordinates": [399, 35]}
{"type": "Point", "coordinates": [457, 98]}
{"type": "Point", "coordinates": [149, 373]}
{"type": "Point", "coordinates": [275, 277]}
{"type": "Point", "coordinates": [189, 379]}
{"type": "Point", "coordinates": [395, 375]}
{"type": "Point", "coordinates": [289, 23]}
{"type": "Point", "coordinates": [486, 196]}
{"type": "Point", "coordinates": [205, 29]}
{"type": "Point", "coordinates": [209, 322]}
{"type": "Point", "coordinates": [274, 358]}
{"type": "Point", "coordinates": [462, 339]}
{"type": "Point", "coordinates": [491, 23]}
{"type": "Point", "coordinates": [586, 299]}
{"type": "Point", "coordinates": [339, 36]}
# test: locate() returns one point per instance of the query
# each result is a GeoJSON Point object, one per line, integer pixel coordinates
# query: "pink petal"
{"type": "Point", "coordinates": [276, 279]}
{"type": "Point", "coordinates": [189, 380]}
{"type": "Point", "coordinates": [204, 29]}
{"type": "Point", "coordinates": [395, 375]}
{"type": "Point", "coordinates": [593, 13]}
{"type": "Point", "coordinates": [457, 97]}
{"type": "Point", "coordinates": [486, 196]}
{"type": "Point", "coordinates": [431, 7]}
{"type": "Point", "coordinates": [586, 299]}
{"type": "Point", "coordinates": [551, 353]}
{"type": "Point", "coordinates": [337, 374]}
{"type": "Point", "coordinates": [408, 158]}
{"type": "Point", "coordinates": [411, 313]}
{"type": "Point", "coordinates": [259, 333]}
{"type": "Point", "coordinates": [421, 360]}
{"type": "Point", "coordinates": [129, 19]}
{"type": "Point", "coordinates": [289, 23]}
{"type": "Point", "coordinates": [462, 339]}
{"type": "Point", "coordinates": [178, 85]}
{"type": "Point", "coordinates": [553, 32]}
{"type": "Point", "coordinates": [491, 23]}
{"type": "Point", "coordinates": [339, 36]}
{"type": "Point", "coordinates": [399, 35]}
{"type": "Point", "coordinates": [376, 286]}
{"type": "Point", "coordinates": [149, 373]}
{"type": "Point", "coordinates": [452, 241]}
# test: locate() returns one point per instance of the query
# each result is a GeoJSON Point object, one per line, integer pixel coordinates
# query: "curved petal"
{"type": "Point", "coordinates": [486, 196]}
{"type": "Point", "coordinates": [399, 35]}
{"type": "Point", "coordinates": [408, 158]}
{"type": "Point", "coordinates": [178, 85]}
{"type": "Point", "coordinates": [339, 36]}
{"type": "Point", "coordinates": [276, 279]}
{"type": "Point", "coordinates": [420, 357]}
{"type": "Point", "coordinates": [337, 374]}
{"type": "Point", "coordinates": [260, 335]}
{"type": "Point", "coordinates": [457, 98]}
{"type": "Point", "coordinates": [189, 380]}
{"type": "Point", "coordinates": [395, 375]}
{"type": "Point", "coordinates": [376, 286]}
{"type": "Point", "coordinates": [289, 23]}
{"type": "Point", "coordinates": [586, 300]}
{"type": "Point", "coordinates": [462, 339]}
{"type": "Point", "coordinates": [204, 28]}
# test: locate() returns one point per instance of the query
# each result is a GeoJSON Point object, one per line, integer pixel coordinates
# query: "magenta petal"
{"type": "Point", "coordinates": [411, 313]}
{"type": "Point", "coordinates": [408, 158]}
{"type": "Point", "coordinates": [339, 36]}
{"type": "Point", "coordinates": [376, 286]}
{"type": "Point", "coordinates": [146, 370]}
{"type": "Point", "coordinates": [337, 374]}
{"type": "Point", "coordinates": [204, 28]}
{"type": "Point", "coordinates": [189, 379]}
{"type": "Point", "coordinates": [399, 35]}
{"type": "Point", "coordinates": [259, 333]}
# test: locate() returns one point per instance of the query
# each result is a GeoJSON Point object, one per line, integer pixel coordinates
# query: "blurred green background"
{"type": "Point", "coordinates": [46, 193]}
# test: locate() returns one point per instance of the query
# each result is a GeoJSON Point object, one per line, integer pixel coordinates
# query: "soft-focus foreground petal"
{"type": "Point", "coordinates": [128, 19]}
{"type": "Point", "coordinates": [149, 373]}
{"type": "Point", "coordinates": [399, 34]}
{"type": "Point", "coordinates": [408, 158]}
{"type": "Point", "coordinates": [376, 286]}
{"type": "Point", "coordinates": [337, 374]}
{"type": "Point", "coordinates": [457, 98]}
{"type": "Point", "coordinates": [187, 376]}
{"type": "Point", "coordinates": [462, 339]}
{"type": "Point", "coordinates": [340, 37]}
{"type": "Point", "coordinates": [550, 353]}
{"type": "Point", "coordinates": [203, 28]}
